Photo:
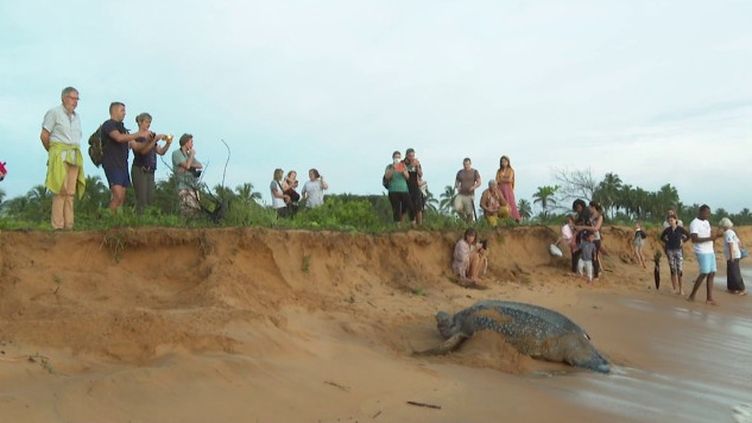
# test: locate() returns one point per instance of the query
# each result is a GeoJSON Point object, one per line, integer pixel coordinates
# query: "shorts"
{"type": "Point", "coordinates": [675, 261]}
{"type": "Point", "coordinates": [463, 204]}
{"type": "Point", "coordinates": [585, 267]}
{"type": "Point", "coordinates": [706, 262]}
{"type": "Point", "coordinates": [492, 220]}
{"type": "Point", "coordinates": [638, 242]}
{"type": "Point", "coordinates": [117, 176]}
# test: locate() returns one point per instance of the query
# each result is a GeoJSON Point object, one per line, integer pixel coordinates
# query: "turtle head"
{"type": "Point", "coordinates": [580, 352]}
{"type": "Point", "coordinates": [444, 324]}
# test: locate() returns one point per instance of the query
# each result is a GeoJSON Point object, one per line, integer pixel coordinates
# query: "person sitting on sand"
{"type": "Point", "coordinates": [478, 261]}
{"type": "Point", "coordinates": [702, 237]}
{"type": "Point", "coordinates": [466, 258]}
{"type": "Point", "coordinates": [587, 254]}
{"type": "Point", "coordinates": [638, 240]}
{"type": "Point", "coordinates": [732, 251]}
{"type": "Point", "coordinates": [673, 237]}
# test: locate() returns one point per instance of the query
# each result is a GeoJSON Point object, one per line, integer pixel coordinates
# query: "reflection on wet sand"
{"type": "Point", "coordinates": [686, 362]}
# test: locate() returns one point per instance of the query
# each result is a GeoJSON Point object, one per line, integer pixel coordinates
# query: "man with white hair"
{"type": "Point", "coordinates": [732, 251]}
{"type": "Point", "coordinates": [61, 137]}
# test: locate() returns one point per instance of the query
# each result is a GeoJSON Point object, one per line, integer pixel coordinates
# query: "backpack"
{"type": "Point", "coordinates": [96, 151]}
{"type": "Point", "coordinates": [385, 182]}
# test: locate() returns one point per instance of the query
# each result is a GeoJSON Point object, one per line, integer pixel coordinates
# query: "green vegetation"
{"type": "Point", "coordinates": [623, 204]}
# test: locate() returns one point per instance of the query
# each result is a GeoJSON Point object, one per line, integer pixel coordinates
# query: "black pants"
{"type": "Point", "coordinates": [575, 259]}
{"type": "Point", "coordinates": [401, 204]}
{"type": "Point", "coordinates": [734, 281]}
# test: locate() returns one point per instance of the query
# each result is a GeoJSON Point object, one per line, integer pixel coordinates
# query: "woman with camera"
{"type": "Point", "coordinates": [187, 171]}
{"type": "Point", "coordinates": [145, 150]}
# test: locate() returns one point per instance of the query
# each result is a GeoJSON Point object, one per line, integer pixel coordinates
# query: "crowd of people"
{"type": "Point", "coordinates": [285, 196]}
{"type": "Point", "coordinates": [407, 190]}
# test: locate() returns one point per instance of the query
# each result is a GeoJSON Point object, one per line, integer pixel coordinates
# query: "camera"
{"type": "Point", "coordinates": [196, 172]}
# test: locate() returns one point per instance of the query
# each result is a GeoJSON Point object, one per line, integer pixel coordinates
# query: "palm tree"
{"type": "Point", "coordinates": [607, 192]}
{"type": "Point", "coordinates": [545, 196]}
{"type": "Point", "coordinates": [525, 208]}
{"type": "Point", "coordinates": [446, 199]}
{"type": "Point", "coordinates": [432, 203]}
{"type": "Point", "coordinates": [246, 195]}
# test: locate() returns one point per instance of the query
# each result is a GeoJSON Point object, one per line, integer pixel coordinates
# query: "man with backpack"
{"type": "Point", "coordinates": [115, 139]}
{"type": "Point", "coordinates": [61, 137]}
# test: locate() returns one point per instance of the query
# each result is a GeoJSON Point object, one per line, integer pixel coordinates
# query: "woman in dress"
{"type": "Point", "coordinates": [290, 187]}
{"type": "Point", "coordinates": [732, 251]}
{"type": "Point", "coordinates": [505, 180]}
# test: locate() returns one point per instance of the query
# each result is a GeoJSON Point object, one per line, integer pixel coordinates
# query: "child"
{"type": "Point", "coordinates": [637, 242]}
{"type": "Point", "coordinates": [587, 253]}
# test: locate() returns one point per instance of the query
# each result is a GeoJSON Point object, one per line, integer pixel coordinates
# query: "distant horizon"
{"type": "Point", "coordinates": [656, 93]}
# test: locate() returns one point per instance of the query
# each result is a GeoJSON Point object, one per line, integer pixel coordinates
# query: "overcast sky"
{"type": "Point", "coordinates": [656, 91]}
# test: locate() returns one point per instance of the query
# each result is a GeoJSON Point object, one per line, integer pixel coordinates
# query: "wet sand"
{"type": "Point", "coordinates": [251, 335]}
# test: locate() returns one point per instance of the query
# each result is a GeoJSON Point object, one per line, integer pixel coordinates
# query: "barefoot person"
{"type": "Point", "coordinates": [673, 238]}
{"type": "Point", "coordinates": [466, 257]}
{"type": "Point", "coordinates": [493, 204]}
{"type": "Point", "coordinates": [505, 178]}
{"type": "Point", "coordinates": [587, 255]}
{"type": "Point", "coordinates": [732, 251]}
{"type": "Point", "coordinates": [702, 237]}
{"type": "Point", "coordinates": [638, 240]}
{"type": "Point", "coordinates": [61, 137]}
{"type": "Point", "coordinates": [399, 193]}
{"type": "Point", "coordinates": [478, 262]}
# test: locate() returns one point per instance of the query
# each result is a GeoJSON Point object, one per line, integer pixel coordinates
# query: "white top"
{"type": "Point", "coordinates": [731, 240]}
{"type": "Point", "coordinates": [63, 127]}
{"type": "Point", "coordinates": [566, 232]}
{"type": "Point", "coordinates": [703, 230]}
{"type": "Point", "coordinates": [277, 203]}
{"type": "Point", "coordinates": [314, 192]}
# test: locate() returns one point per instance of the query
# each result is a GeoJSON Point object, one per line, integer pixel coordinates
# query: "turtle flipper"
{"type": "Point", "coordinates": [447, 346]}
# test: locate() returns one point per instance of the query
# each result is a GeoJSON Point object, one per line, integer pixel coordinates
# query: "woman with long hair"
{"type": "Point", "coordinates": [505, 180]}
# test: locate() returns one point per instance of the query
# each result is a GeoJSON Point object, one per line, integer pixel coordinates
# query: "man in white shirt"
{"type": "Point", "coordinates": [702, 237]}
{"type": "Point", "coordinates": [61, 137]}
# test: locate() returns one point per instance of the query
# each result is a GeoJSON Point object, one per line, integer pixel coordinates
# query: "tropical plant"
{"type": "Point", "coordinates": [446, 199]}
{"type": "Point", "coordinates": [545, 196]}
{"type": "Point", "coordinates": [525, 208]}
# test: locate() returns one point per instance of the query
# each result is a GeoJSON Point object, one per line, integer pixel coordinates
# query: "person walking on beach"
{"type": "Point", "coordinates": [313, 189]}
{"type": "Point", "coordinates": [61, 137]}
{"type": "Point", "coordinates": [638, 241]}
{"type": "Point", "coordinates": [145, 150]}
{"type": "Point", "coordinates": [414, 180]}
{"type": "Point", "coordinates": [115, 139]}
{"type": "Point", "coordinates": [187, 171]}
{"type": "Point", "coordinates": [702, 237]}
{"type": "Point", "coordinates": [732, 251]}
{"type": "Point", "coordinates": [399, 194]}
{"type": "Point", "coordinates": [673, 238]}
{"type": "Point", "coordinates": [505, 178]}
{"type": "Point", "coordinates": [466, 181]}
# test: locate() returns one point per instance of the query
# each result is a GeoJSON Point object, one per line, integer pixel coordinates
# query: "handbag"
{"type": "Point", "coordinates": [744, 252]}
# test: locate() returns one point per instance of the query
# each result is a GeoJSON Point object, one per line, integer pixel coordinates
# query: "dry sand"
{"type": "Point", "coordinates": [245, 325]}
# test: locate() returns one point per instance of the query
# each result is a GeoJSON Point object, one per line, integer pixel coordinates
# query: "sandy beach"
{"type": "Point", "coordinates": [257, 325]}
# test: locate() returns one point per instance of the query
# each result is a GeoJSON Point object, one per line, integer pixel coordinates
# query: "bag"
{"type": "Point", "coordinates": [96, 151]}
{"type": "Point", "coordinates": [385, 182]}
{"type": "Point", "coordinates": [555, 251]}
{"type": "Point", "coordinates": [745, 253]}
